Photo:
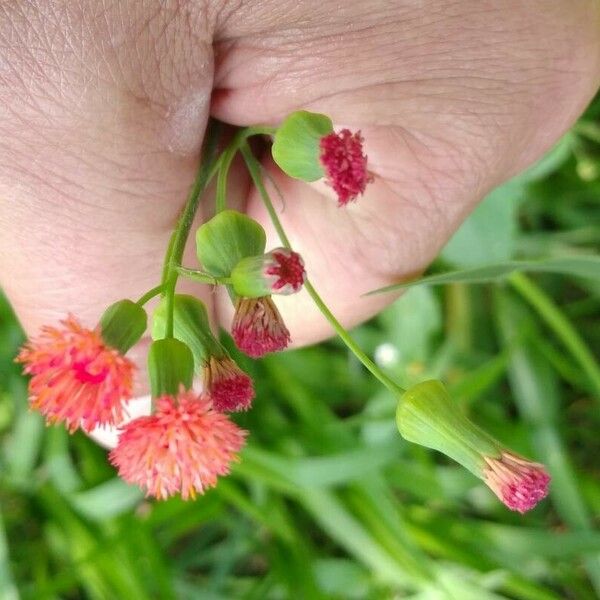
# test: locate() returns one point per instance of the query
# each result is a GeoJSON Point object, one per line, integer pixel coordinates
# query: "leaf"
{"type": "Point", "coordinates": [489, 233]}
{"type": "Point", "coordinates": [587, 266]}
{"type": "Point", "coordinates": [109, 499]}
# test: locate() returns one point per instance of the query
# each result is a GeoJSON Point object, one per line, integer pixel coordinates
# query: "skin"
{"type": "Point", "coordinates": [103, 107]}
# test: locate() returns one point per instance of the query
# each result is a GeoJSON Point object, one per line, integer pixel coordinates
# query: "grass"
{"type": "Point", "coordinates": [328, 501]}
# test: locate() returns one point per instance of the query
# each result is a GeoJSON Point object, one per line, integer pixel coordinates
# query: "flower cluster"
{"type": "Point", "coordinates": [82, 377]}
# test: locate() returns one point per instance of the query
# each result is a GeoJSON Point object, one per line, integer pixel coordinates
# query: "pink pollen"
{"type": "Point", "coordinates": [345, 165]}
{"type": "Point", "coordinates": [287, 269]}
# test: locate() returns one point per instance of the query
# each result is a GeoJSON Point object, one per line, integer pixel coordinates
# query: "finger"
{"type": "Point", "coordinates": [445, 119]}
{"type": "Point", "coordinates": [100, 125]}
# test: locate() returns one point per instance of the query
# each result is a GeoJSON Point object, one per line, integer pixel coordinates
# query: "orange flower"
{"type": "Point", "coordinates": [182, 448]}
{"type": "Point", "coordinates": [76, 377]}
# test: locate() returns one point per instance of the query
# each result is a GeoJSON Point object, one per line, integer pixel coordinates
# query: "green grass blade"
{"type": "Point", "coordinates": [561, 326]}
{"type": "Point", "coordinates": [577, 266]}
{"type": "Point", "coordinates": [535, 390]}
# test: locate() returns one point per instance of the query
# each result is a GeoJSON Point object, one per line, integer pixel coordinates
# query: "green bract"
{"type": "Point", "coordinates": [190, 325]}
{"type": "Point", "coordinates": [427, 416]}
{"type": "Point", "coordinates": [247, 278]}
{"type": "Point", "coordinates": [227, 238]}
{"type": "Point", "coordinates": [296, 144]}
{"type": "Point", "coordinates": [170, 366]}
{"type": "Point", "coordinates": [123, 324]}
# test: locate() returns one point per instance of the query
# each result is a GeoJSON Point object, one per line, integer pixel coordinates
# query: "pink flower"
{"type": "Point", "coordinates": [345, 165]}
{"type": "Point", "coordinates": [284, 269]}
{"type": "Point", "coordinates": [258, 328]}
{"type": "Point", "coordinates": [519, 483]}
{"type": "Point", "coordinates": [181, 449]}
{"type": "Point", "coordinates": [76, 377]}
{"type": "Point", "coordinates": [228, 386]}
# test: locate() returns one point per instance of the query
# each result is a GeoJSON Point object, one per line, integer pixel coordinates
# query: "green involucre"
{"type": "Point", "coordinates": [296, 144]}
{"type": "Point", "coordinates": [191, 326]}
{"type": "Point", "coordinates": [170, 366]}
{"type": "Point", "coordinates": [123, 324]}
{"type": "Point", "coordinates": [427, 416]}
{"type": "Point", "coordinates": [227, 238]}
{"type": "Point", "coordinates": [247, 278]}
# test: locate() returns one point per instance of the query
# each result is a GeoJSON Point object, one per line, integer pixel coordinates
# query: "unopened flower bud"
{"type": "Point", "coordinates": [225, 239]}
{"type": "Point", "coordinates": [427, 416]}
{"type": "Point", "coordinates": [258, 328]}
{"type": "Point", "coordinates": [306, 147]}
{"type": "Point", "coordinates": [123, 324]}
{"type": "Point", "coordinates": [280, 271]}
{"type": "Point", "coordinates": [170, 367]}
{"type": "Point", "coordinates": [229, 388]}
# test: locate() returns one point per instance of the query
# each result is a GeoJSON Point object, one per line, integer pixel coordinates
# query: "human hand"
{"type": "Point", "coordinates": [104, 109]}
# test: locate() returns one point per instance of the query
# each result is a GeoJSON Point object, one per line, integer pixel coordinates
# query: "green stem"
{"type": "Point", "coordinates": [202, 277]}
{"type": "Point", "coordinates": [155, 291]}
{"type": "Point", "coordinates": [561, 326]}
{"type": "Point", "coordinates": [227, 158]}
{"type": "Point", "coordinates": [254, 170]}
{"type": "Point", "coordinates": [180, 235]}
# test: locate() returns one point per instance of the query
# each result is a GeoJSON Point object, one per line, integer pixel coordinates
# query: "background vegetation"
{"type": "Point", "coordinates": [328, 501]}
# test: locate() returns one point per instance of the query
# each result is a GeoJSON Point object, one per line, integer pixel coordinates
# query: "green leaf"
{"type": "Point", "coordinates": [109, 499]}
{"type": "Point", "coordinates": [489, 233]}
{"type": "Point", "coordinates": [578, 266]}
{"type": "Point", "coordinates": [296, 144]}
{"type": "Point", "coordinates": [227, 238]}
{"type": "Point", "coordinates": [8, 590]}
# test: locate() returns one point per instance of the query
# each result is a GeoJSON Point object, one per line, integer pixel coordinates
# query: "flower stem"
{"type": "Point", "coordinates": [202, 277]}
{"type": "Point", "coordinates": [180, 235]}
{"type": "Point", "coordinates": [227, 158]}
{"type": "Point", "coordinates": [155, 291]}
{"type": "Point", "coordinates": [254, 170]}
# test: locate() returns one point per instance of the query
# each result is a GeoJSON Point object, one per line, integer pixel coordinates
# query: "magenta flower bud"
{"type": "Point", "coordinates": [280, 271]}
{"type": "Point", "coordinates": [229, 388]}
{"type": "Point", "coordinates": [306, 147]}
{"type": "Point", "coordinates": [426, 415]}
{"type": "Point", "coordinates": [519, 483]}
{"type": "Point", "coordinates": [345, 164]}
{"type": "Point", "coordinates": [258, 328]}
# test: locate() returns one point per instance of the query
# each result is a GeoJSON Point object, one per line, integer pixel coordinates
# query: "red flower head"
{"type": "Point", "coordinates": [344, 164]}
{"type": "Point", "coordinates": [76, 377]}
{"type": "Point", "coordinates": [258, 328]}
{"type": "Point", "coordinates": [519, 483]}
{"type": "Point", "coordinates": [228, 386]}
{"type": "Point", "coordinates": [284, 269]}
{"type": "Point", "coordinates": [181, 449]}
